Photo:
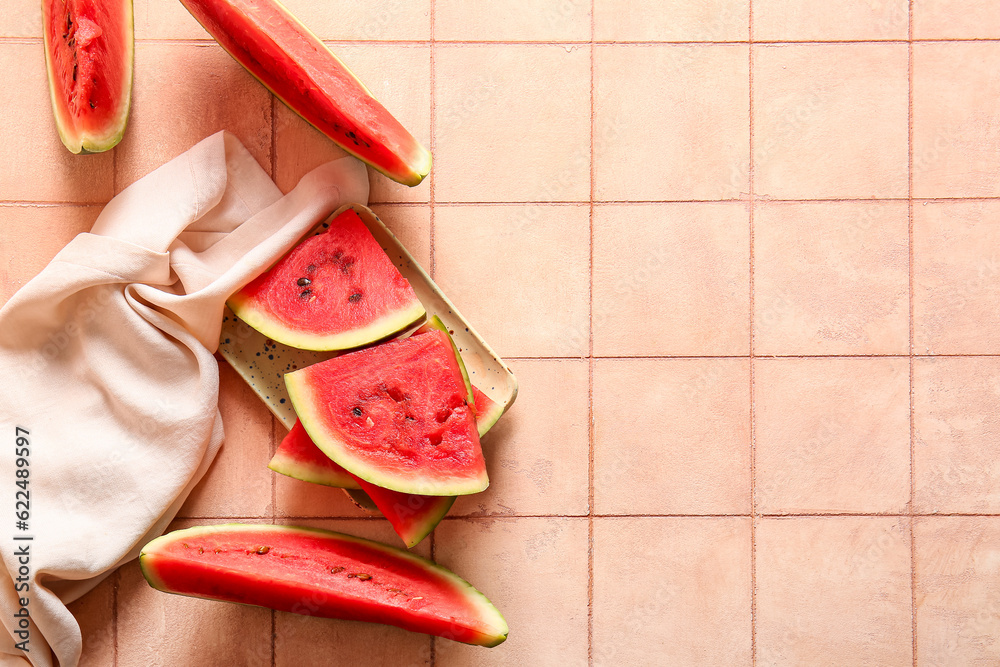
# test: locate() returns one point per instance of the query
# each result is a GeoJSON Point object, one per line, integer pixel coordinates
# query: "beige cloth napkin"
{"type": "Point", "coordinates": [107, 360]}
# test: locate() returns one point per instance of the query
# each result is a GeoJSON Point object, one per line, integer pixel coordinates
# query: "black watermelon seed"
{"type": "Point", "coordinates": [354, 298]}
{"type": "Point", "coordinates": [302, 282]}
{"type": "Point", "coordinates": [305, 292]}
{"type": "Point", "coordinates": [356, 411]}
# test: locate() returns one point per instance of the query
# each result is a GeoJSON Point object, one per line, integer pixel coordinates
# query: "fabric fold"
{"type": "Point", "coordinates": [109, 356]}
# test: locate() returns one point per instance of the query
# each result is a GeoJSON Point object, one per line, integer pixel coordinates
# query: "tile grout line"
{"type": "Point", "coordinates": [431, 201]}
{"type": "Point", "coordinates": [11, 39]}
{"type": "Point", "coordinates": [752, 350]}
{"type": "Point", "coordinates": [431, 194]}
{"type": "Point", "coordinates": [590, 362]}
{"type": "Point", "coordinates": [909, 207]}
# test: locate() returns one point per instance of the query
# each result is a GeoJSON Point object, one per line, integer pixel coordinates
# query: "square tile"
{"type": "Point", "coordinates": [21, 18]}
{"type": "Point", "coordinates": [304, 640]}
{"type": "Point", "coordinates": [95, 614]}
{"type": "Point", "coordinates": [956, 278]}
{"type": "Point", "coordinates": [545, 604]}
{"type": "Point", "coordinates": [299, 147]}
{"type": "Point", "coordinates": [671, 122]}
{"type": "Point", "coordinates": [832, 435]}
{"type": "Point", "coordinates": [238, 482]}
{"type": "Point", "coordinates": [956, 19]}
{"type": "Point", "coordinates": [32, 235]}
{"type": "Point", "coordinates": [538, 453]}
{"type": "Point", "coordinates": [170, 113]}
{"type": "Point", "coordinates": [830, 121]}
{"type": "Point", "coordinates": [700, 250]}
{"type": "Point", "coordinates": [956, 123]}
{"type": "Point", "coordinates": [369, 21]}
{"type": "Point", "coordinates": [957, 561]}
{"type": "Point", "coordinates": [45, 170]}
{"type": "Point", "coordinates": [834, 591]}
{"type": "Point", "coordinates": [412, 225]}
{"type": "Point", "coordinates": [956, 462]}
{"type": "Point", "coordinates": [512, 20]}
{"type": "Point", "coordinates": [672, 20]}
{"type": "Point", "coordinates": [672, 591]}
{"type": "Point", "coordinates": [514, 123]}
{"type": "Point", "coordinates": [484, 255]}
{"type": "Point", "coordinates": [157, 629]}
{"type": "Point", "coordinates": [680, 444]}
{"type": "Point", "coordinates": [816, 20]}
{"type": "Point", "coordinates": [831, 278]}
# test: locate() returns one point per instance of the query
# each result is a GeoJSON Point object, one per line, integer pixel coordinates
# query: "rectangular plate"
{"type": "Point", "coordinates": [263, 362]}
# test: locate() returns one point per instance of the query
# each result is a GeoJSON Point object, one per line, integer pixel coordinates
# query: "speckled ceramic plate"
{"type": "Point", "coordinates": [263, 362]}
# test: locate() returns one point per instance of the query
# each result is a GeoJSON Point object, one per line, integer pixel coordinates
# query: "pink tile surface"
{"type": "Point", "coordinates": [694, 415]}
{"type": "Point", "coordinates": [954, 120]}
{"type": "Point", "coordinates": [697, 98]}
{"type": "Point", "coordinates": [832, 435]}
{"type": "Point", "coordinates": [957, 570]}
{"type": "Point", "coordinates": [681, 591]}
{"type": "Point", "coordinates": [831, 278]}
{"type": "Point", "coordinates": [741, 257]}
{"type": "Point", "coordinates": [830, 121]}
{"type": "Point", "coordinates": [834, 591]}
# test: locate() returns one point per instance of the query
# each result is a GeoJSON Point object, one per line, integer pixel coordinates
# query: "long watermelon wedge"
{"type": "Point", "coordinates": [297, 67]}
{"type": "Point", "coordinates": [89, 50]}
{"type": "Point", "coordinates": [333, 291]}
{"type": "Point", "coordinates": [339, 576]}
{"type": "Point", "coordinates": [395, 415]}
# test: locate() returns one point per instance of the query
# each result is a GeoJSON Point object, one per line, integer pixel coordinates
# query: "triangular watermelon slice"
{"type": "Point", "coordinates": [413, 517]}
{"type": "Point", "coordinates": [395, 415]}
{"type": "Point", "coordinates": [488, 411]}
{"type": "Point", "coordinates": [335, 290]}
{"type": "Point", "coordinates": [299, 457]}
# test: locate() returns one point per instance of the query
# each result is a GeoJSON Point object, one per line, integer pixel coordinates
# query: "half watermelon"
{"type": "Point", "coordinates": [297, 67]}
{"type": "Point", "coordinates": [394, 415]}
{"type": "Point", "coordinates": [341, 576]}
{"type": "Point", "coordinates": [88, 56]}
{"type": "Point", "coordinates": [333, 291]}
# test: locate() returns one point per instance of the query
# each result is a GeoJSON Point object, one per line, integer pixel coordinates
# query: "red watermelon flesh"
{"type": "Point", "coordinates": [88, 56]}
{"type": "Point", "coordinates": [298, 457]}
{"type": "Point", "coordinates": [395, 415]}
{"type": "Point", "coordinates": [301, 71]}
{"type": "Point", "coordinates": [413, 517]}
{"type": "Point", "coordinates": [336, 290]}
{"type": "Point", "coordinates": [321, 573]}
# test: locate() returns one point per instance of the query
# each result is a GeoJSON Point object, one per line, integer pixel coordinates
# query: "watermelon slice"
{"type": "Point", "coordinates": [298, 68]}
{"type": "Point", "coordinates": [395, 415]}
{"type": "Point", "coordinates": [334, 291]}
{"type": "Point", "coordinates": [341, 576]}
{"type": "Point", "coordinates": [488, 412]}
{"type": "Point", "coordinates": [299, 457]}
{"type": "Point", "coordinates": [88, 56]}
{"type": "Point", "coordinates": [412, 516]}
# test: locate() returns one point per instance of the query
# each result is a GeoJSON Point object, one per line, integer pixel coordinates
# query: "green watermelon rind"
{"type": "Point", "coordinates": [87, 145]}
{"type": "Point", "coordinates": [301, 396]}
{"type": "Point", "coordinates": [384, 327]}
{"type": "Point", "coordinates": [488, 611]}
